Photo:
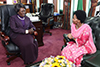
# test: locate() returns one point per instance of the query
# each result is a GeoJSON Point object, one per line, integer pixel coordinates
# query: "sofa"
{"type": "Point", "coordinates": [91, 60]}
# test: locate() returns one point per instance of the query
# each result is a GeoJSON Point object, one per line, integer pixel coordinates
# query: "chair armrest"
{"type": "Point", "coordinates": [4, 37]}
{"type": "Point", "coordinates": [35, 33]}
{"type": "Point", "coordinates": [48, 20]}
{"type": "Point", "coordinates": [67, 39]}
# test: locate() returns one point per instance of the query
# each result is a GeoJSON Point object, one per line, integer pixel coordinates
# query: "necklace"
{"type": "Point", "coordinates": [21, 18]}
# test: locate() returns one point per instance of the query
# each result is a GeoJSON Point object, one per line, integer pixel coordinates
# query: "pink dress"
{"type": "Point", "coordinates": [83, 44]}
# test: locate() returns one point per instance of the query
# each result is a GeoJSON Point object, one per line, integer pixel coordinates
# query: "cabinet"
{"type": "Point", "coordinates": [60, 19]}
{"type": "Point", "coordinates": [39, 29]}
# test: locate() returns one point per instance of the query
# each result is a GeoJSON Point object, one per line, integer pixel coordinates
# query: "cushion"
{"type": "Point", "coordinates": [12, 48]}
{"type": "Point", "coordinates": [94, 61]}
{"type": "Point", "coordinates": [91, 55]}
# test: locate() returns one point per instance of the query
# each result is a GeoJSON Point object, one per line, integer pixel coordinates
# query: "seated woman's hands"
{"type": "Point", "coordinates": [31, 31]}
{"type": "Point", "coordinates": [70, 36]}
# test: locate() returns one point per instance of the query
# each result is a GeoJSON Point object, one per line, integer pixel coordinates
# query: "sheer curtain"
{"type": "Point", "coordinates": [37, 5]}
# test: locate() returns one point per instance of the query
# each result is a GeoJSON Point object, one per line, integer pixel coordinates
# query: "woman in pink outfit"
{"type": "Point", "coordinates": [82, 34]}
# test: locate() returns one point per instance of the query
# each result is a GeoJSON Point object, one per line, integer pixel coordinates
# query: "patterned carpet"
{"type": "Point", "coordinates": [52, 46]}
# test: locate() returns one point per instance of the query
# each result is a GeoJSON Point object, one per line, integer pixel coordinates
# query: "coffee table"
{"type": "Point", "coordinates": [34, 64]}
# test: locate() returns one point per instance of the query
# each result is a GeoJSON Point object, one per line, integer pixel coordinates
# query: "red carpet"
{"type": "Point", "coordinates": [52, 46]}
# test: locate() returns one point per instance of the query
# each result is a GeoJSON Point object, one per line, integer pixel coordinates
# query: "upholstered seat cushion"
{"type": "Point", "coordinates": [94, 61]}
{"type": "Point", "coordinates": [11, 48]}
{"type": "Point", "coordinates": [91, 55]}
{"type": "Point", "coordinates": [66, 38]}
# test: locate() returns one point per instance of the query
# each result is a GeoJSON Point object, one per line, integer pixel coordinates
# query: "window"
{"type": "Point", "coordinates": [50, 1]}
{"type": "Point", "coordinates": [61, 6]}
{"type": "Point", "coordinates": [37, 5]}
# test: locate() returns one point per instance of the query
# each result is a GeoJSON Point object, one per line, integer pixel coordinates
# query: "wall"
{"type": "Point", "coordinates": [23, 1]}
{"type": "Point", "coordinates": [93, 6]}
{"type": "Point", "coordinates": [2, 0]}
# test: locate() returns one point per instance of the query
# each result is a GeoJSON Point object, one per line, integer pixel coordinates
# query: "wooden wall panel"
{"type": "Point", "coordinates": [93, 7]}
{"type": "Point", "coordinates": [66, 12]}
{"type": "Point", "coordinates": [45, 1]}
{"type": "Point", "coordinates": [55, 5]}
{"type": "Point", "coordinates": [41, 1]}
{"type": "Point", "coordinates": [84, 5]}
{"type": "Point", "coordinates": [2, 0]}
{"type": "Point", "coordinates": [23, 1]}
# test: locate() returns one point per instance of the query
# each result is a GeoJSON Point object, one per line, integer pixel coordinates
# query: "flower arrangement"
{"type": "Point", "coordinates": [58, 61]}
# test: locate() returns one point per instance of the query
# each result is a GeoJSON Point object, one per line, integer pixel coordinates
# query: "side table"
{"type": "Point", "coordinates": [39, 29]}
{"type": "Point", "coordinates": [60, 19]}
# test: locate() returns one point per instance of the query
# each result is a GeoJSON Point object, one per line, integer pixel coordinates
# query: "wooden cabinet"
{"type": "Point", "coordinates": [60, 19]}
{"type": "Point", "coordinates": [39, 29]}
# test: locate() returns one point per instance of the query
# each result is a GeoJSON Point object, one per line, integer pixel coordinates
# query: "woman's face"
{"type": "Point", "coordinates": [75, 20]}
{"type": "Point", "coordinates": [22, 12]}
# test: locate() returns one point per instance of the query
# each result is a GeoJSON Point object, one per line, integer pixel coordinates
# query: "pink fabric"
{"type": "Point", "coordinates": [74, 51]}
{"type": "Point", "coordinates": [77, 32]}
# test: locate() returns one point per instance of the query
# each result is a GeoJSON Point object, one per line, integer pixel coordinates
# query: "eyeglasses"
{"type": "Point", "coordinates": [23, 10]}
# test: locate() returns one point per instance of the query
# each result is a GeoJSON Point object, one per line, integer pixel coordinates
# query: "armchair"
{"type": "Point", "coordinates": [90, 60]}
{"type": "Point", "coordinates": [46, 16]}
{"type": "Point", "coordinates": [12, 50]}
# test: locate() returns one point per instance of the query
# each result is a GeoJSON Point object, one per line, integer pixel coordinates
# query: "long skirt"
{"type": "Point", "coordinates": [74, 53]}
{"type": "Point", "coordinates": [28, 47]}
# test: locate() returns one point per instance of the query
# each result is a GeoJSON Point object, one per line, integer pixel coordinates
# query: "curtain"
{"type": "Point", "coordinates": [93, 6]}
{"type": "Point", "coordinates": [80, 5]}
{"type": "Point", "coordinates": [74, 4]}
{"type": "Point", "coordinates": [66, 12]}
{"type": "Point", "coordinates": [88, 6]}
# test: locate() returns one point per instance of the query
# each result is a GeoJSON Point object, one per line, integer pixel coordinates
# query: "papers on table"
{"type": "Point", "coordinates": [32, 17]}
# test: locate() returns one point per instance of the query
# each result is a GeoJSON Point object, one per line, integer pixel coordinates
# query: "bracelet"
{"type": "Point", "coordinates": [26, 31]}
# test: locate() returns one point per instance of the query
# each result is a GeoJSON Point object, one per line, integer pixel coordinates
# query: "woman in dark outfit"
{"type": "Point", "coordinates": [21, 34]}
